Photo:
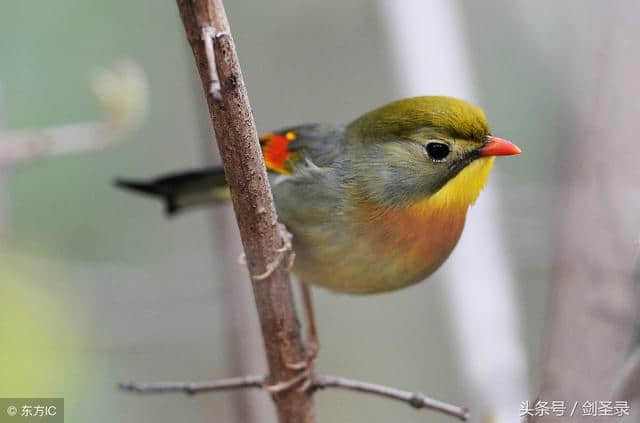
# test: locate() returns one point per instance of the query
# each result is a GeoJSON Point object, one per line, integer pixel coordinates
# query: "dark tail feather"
{"type": "Point", "coordinates": [143, 187]}
{"type": "Point", "coordinates": [183, 189]}
{"type": "Point", "coordinates": [153, 189]}
{"type": "Point", "coordinates": [171, 206]}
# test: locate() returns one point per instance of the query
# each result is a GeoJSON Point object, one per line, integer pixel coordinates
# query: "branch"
{"type": "Point", "coordinates": [123, 96]}
{"type": "Point", "coordinates": [246, 175]}
{"type": "Point", "coordinates": [414, 399]}
{"type": "Point", "coordinates": [191, 388]}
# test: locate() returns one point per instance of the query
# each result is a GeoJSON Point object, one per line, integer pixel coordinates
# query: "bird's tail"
{"type": "Point", "coordinates": [183, 190]}
{"type": "Point", "coordinates": [148, 188]}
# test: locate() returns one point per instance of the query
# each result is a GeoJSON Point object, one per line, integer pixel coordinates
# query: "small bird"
{"type": "Point", "coordinates": [373, 206]}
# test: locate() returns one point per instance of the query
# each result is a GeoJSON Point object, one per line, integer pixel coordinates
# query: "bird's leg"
{"type": "Point", "coordinates": [306, 365]}
{"type": "Point", "coordinates": [312, 345]}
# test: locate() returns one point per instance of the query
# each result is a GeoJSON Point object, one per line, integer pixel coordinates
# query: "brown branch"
{"type": "Point", "coordinates": [414, 399]}
{"type": "Point", "coordinates": [251, 195]}
{"type": "Point", "coordinates": [244, 332]}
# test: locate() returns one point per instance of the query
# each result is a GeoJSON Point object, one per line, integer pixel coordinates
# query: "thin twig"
{"type": "Point", "coordinates": [123, 97]}
{"type": "Point", "coordinates": [414, 399]}
{"type": "Point", "coordinates": [191, 388]}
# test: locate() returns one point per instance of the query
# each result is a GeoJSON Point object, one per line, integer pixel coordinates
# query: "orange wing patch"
{"type": "Point", "coordinates": [275, 149]}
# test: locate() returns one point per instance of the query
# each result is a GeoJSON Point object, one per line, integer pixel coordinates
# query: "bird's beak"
{"type": "Point", "coordinates": [495, 146]}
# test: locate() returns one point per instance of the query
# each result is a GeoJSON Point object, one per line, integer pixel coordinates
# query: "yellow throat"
{"type": "Point", "coordinates": [462, 190]}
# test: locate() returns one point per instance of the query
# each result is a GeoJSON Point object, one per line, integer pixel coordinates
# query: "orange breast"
{"type": "Point", "coordinates": [368, 249]}
{"type": "Point", "coordinates": [416, 239]}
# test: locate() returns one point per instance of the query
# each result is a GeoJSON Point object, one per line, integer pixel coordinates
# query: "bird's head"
{"type": "Point", "coordinates": [422, 147]}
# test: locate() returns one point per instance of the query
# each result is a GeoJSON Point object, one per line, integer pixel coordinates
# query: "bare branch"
{"type": "Point", "coordinates": [191, 388]}
{"type": "Point", "coordinates": [245, 172]}
{"type": "Point", "coordinates": [414, 399]}
{"type": "Point", "coordinates": [123, 97]}
{"type": "Point", "coordinates": [18, 146]}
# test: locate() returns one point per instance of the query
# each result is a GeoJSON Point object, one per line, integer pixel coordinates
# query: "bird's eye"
{"type": "Point", "coordinates": [437, 151]}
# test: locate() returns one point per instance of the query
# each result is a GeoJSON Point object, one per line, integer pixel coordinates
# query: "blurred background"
{"type": "Point", "coordinates": [99, 287]}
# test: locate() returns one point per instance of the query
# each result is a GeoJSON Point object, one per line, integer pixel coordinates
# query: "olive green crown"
{"type": "Point", "coordinates": [447, 117]}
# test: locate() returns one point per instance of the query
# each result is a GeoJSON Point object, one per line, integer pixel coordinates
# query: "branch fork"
{"type": "Point", "coordinates": [316, 382]}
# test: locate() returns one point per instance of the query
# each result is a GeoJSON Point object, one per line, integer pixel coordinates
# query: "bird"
{"type": "Point", "coordinates": [374, 205]}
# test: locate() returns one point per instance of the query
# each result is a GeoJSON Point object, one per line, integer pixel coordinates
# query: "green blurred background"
{"type": "Point", "coordinates": [98, 287]}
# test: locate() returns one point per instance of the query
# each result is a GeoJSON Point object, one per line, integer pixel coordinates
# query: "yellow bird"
{"type": "Point", "coordinates": [375, 205]}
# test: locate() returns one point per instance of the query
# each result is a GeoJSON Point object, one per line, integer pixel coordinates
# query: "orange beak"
{"type": "Point", "coordinates": [495, 146]}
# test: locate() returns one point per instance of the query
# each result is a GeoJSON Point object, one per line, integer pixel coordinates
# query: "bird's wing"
{"type": "Point", "coordinates": [284, 151]}
{"type": "Point", "coordinates": [286, 148]}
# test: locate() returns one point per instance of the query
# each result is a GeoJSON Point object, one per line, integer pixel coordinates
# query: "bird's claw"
{"type": "Point", "coordinates": [304, 377]}
{"type": "Point", "coordinates": [286, 251]}
{"type": "Point", "coordinates": [304, 366]}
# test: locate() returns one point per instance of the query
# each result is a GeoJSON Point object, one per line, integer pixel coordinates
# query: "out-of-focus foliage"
{"type": "Point", "coordinates": [41, 336]}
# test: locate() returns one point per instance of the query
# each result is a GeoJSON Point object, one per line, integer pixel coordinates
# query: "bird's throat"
{"type": "Point", "coordinates": [461, 191]}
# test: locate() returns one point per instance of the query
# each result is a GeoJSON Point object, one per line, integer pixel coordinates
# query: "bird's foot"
{"type": "Point", "coordinates": [305, 367]}
{"type": "Point", "coordinates": [308, 361]}
{"type": "Point", "coordinates": [284, 252]}
{"type": "Point", "coordinates": [303, 378]}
